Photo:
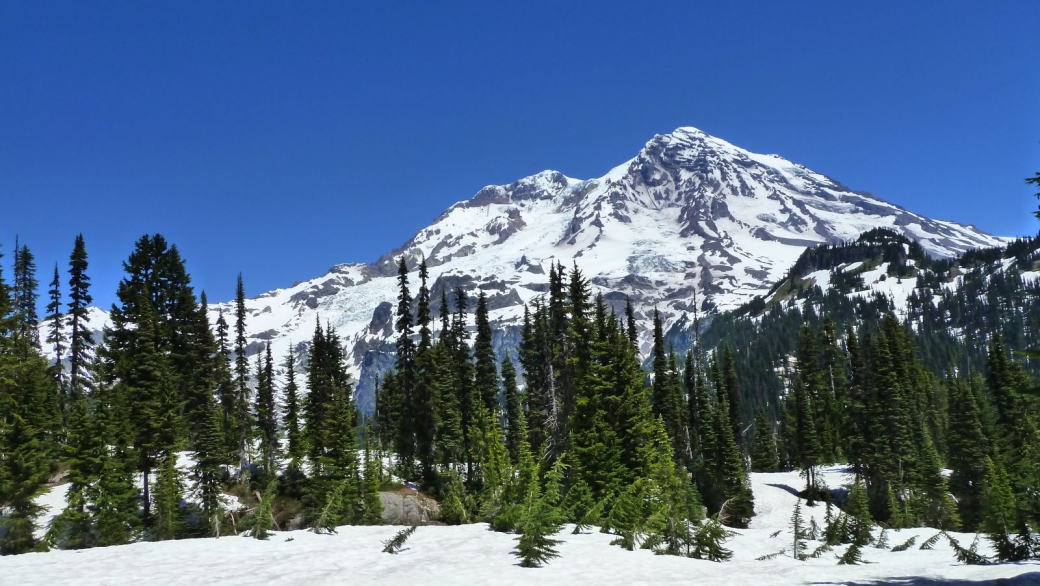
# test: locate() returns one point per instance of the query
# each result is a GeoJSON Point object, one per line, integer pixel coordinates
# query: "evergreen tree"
{"type": "Point", "coordinates": [1000, 520]}
{"type": "Point", "coordinates": [56, 340]}
{"type": "Point", "coordinates": [764, 456]}
{"type": "Point", "coordinates": [168, 522]}
{"type": "Point", "coordinates": [427, 378]}
{"type": "Point", "coordinates": [207, 471]}
{"type": "Point", "coordinates": [295, 449]}
{"type": "Point", "coordinates": [708, 540]}
{"type": "Point", "coordinates": [266, 416]}
{"type": "Point", "coordinates": [967, 454]}
{"type": "Point", "coordinates": [24, 290]}
{"type": "Point", "coordinates": [227, 392]}
{"type": "Point", "coordinates": [798, 532]}
{"type": "Point", "coordinates": [857, 510]}
{"type": "Point", "coordinates": [514, 409]}
{"type": "Point", "coordinates": [541, 520]}
{"type": "Point", "coordinates": [241, 419]}
{"type": "Point", "coordinates": [664, 399]}
{"type": "Point", "coordinates": [465, 393]}
{"type": "Point", "coordinates": [262, 517]}
{"type": "Point", "coordinates": [73, 528]}
{"type": "Point", "coordinates": [675, 506]}
{"type": "Point", "coordinates": [115, 501]}
{"type": "Point", "coordinates": [373, 506]}
{"type": "Point", "coordinates": [630, 323]}
{"type": "Point", "coordinates": [80, 340]}
{"type": "Point", "coordinates": [485, 379]}
{"type": "Point", "coordinates": [735, 404]}
{"type": "Point", "coordinates": [807, 388]}
{"type": "Point", "coordinates": [405, 374]}
{"type": "Point", "coordinates": [452, 507]}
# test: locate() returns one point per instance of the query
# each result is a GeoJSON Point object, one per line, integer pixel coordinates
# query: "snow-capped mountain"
{"type": "Point", "coordinates": [690, 214]}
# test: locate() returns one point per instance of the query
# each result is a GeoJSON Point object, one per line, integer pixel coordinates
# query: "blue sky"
{"type": "Point", "coordinates": [278, 139]}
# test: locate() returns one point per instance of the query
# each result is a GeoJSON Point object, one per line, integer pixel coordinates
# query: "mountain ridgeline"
{"type": "Point", "coordinates": [953, 307]}
{"type": "Point", "coordinates": [691, 222]}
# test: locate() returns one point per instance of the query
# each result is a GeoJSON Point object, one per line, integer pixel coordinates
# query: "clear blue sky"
{"type": "Point", "coordinates": [280, 138]}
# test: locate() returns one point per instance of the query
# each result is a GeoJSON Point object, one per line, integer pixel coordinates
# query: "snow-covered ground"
{"type": "Point", "coordinates": [471, 555]}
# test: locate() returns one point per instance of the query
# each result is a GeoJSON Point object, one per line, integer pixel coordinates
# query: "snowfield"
{"type": "Point", "coordinates": [471, 555]}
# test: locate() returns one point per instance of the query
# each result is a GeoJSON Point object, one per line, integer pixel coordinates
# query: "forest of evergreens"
{"type": "Point", "coordinates": [934, 414]}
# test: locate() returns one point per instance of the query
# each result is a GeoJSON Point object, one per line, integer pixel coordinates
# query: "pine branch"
{"type": "Point", "coordinates": [930, 543]}
{"type": "Point", "coordinates": [882, 539]}
{"type": "Point", "coordinates": [771, 556]}
{"type": "Point", "coordinates": [969, 556]}
{"type": "Point", "coordinates": [852, 556]}
{"type": "Point", "coordinates": [906, 544]}
{"type": "Point", "coordinates": [819, 551]}
{"type": "Point", "coordinates": [394, 544]}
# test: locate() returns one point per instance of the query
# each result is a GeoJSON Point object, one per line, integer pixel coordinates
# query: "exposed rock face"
{"type": "Point", "coordinates": [408, 507]}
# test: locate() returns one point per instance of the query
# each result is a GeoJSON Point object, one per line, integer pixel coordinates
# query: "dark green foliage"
{"type": "Point", "coordinates": [625, 516]}
{"type": "Point", "coordinates": [857, 511]}
{"type": "Point", "coordinates": [394, 544]}
{"type": "Point", "coordinates": [404, 368]}
{"type": "Point", "coordinates": [208, 471]}
{"type": "Point", "coordinates": [514, 409]}
{"type": "Point", "coordinates": [882, 539]}
{"type": "Point", "coordinates": [807, 422]}
{"type": "Point", "coordinates": [29, 417]}
{"type": "Point", "coordinates": [261, 519]}
{"type": "Point", "coordinates": [853, 555]}
{"type": "Point", "coordinates": [820, 550]}
{"type": "Point", "coordinates": [56, 340]}
{"type": "Point", "coordinates": [116, 500]}
{"type": "Point", "coordinates": [967, 446]}
{"type": "Point", "coordinates": [485, 374]}
{"type": "Point", "coordinates": [373, 506]}
{"type": "Point", "coordinates": [764, 455]}
{"type": "Point", "coordinates": [169, 519]}
{"type": "Point", "coordinates": [1035, 181]}
{"type": "Point", "coordinates": [422, 425]}
{"type": "Point", "coordinates": [708, 540]}
{"type": "Point", "coordinates": [291, 416]}
{"type": "Point", "coordinates": [452, 506]}
{"type": "Point", "coordinates": [592, 439]}
{"type": "Point", "coordinates": [541, 520]}
{"type": "Point", "coordinates": [967, 555]}
{"type": "Point", "coordinates": [931, 541]}
{"type": "Point", "coordinates": [330, 511]}
{"type": "Point", "coordinates": [798, 532]}
{"type": "Point", "coordinates": [582, 508]}
{"type": "Point", "coordinates": [241, 418]}
{"type": "Point", "coordinates": [1000, 514]}
{"type": "Point", "coordinates": [80, 340]}
{"type": "Point", "coordinates": [24, 295]}
{"type": "Point", "coordinates": [266, 415]}
{"type": "Point", "coordinates": [906, 544]}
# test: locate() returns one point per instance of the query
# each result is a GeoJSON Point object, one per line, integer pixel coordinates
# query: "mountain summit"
{"type": "Point", "coordinates": [690, 217]}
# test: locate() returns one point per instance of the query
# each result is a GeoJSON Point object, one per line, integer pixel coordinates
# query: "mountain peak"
{"type": "Point", "coordinates": [691, 222]}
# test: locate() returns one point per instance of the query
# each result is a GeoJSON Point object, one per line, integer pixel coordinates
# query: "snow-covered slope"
{"type": "Point", "coordinates": [470, 554]}
{"type": "Point", "coordinates": [691, 213]}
